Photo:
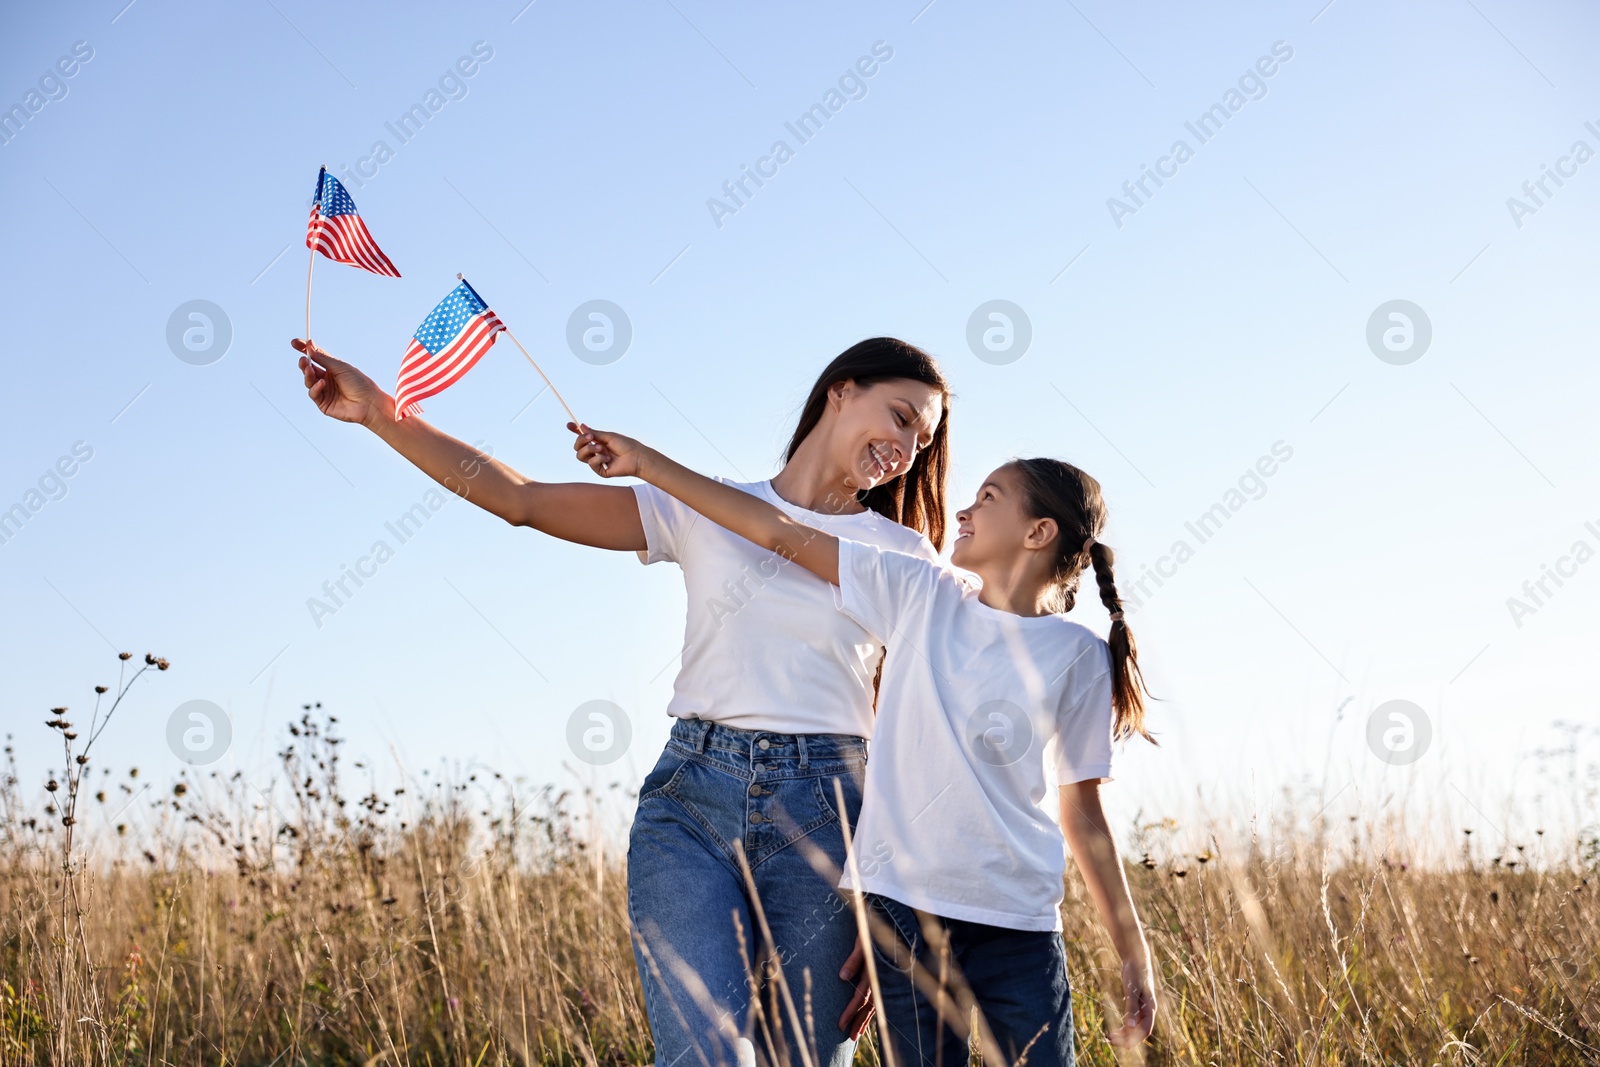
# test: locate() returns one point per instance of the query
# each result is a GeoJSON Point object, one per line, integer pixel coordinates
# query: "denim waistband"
{"type": "Point", "coordinates": [767, 747]}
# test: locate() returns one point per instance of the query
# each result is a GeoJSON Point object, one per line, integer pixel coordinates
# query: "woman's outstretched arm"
{"type": "Point", "coordinates": [603, 516]}
{"type": "Point", "coordinates": [1083, 823]}
{"type": "Point", "coordinates": [611, 455]}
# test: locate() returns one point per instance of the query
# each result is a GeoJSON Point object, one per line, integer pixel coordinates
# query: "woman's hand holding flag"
{"type": "Point", "coordinates": [340, 390]}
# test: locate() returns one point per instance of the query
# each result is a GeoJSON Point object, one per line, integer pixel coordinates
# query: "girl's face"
{"type": "Point", "coordinates": [995, 526]}
{"type": "Point", "coordinates": [879, 429]}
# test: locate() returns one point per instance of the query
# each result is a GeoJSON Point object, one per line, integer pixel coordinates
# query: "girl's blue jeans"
{"type": "Point", "coordinates": [1017, 977]}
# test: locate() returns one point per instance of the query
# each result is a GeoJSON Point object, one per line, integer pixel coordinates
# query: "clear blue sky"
{"type": "Point", "coordinates": [1226, 313]}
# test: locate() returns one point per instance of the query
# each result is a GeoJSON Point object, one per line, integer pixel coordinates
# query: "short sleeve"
{"type": "Point", "coordinates": [878, 587]}
{"type": "Point", "coordinates": [666, 521]}
{"type": "Point", "coordinates": [1082, 745]}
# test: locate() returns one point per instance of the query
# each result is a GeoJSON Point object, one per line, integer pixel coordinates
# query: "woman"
{"type": "Point", "coordinates": [773, 701]}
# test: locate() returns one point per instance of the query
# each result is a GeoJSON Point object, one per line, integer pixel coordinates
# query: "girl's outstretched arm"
{"type": "Point", "coordinates": [603, 516]}
{"type": "Point", "coordinates": [612, 455]}
{"type": "Point", "coordinates": [1083, 822]}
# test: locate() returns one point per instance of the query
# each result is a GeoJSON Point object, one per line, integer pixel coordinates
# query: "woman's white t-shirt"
{"type": "Point", "coordinates": [980, 712]}
{"type": "Point", "coordinates": [764, 647]}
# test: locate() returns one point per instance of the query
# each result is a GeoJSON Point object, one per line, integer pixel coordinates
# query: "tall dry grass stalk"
{"type": "Point", "coordinates": [474, 923]}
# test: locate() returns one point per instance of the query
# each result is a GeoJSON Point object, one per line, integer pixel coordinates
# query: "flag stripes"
{"type": "Point", "coordinates": [453, 337]}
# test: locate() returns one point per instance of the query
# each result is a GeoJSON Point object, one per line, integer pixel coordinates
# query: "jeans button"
{"type": "Point", "coordinates": [756, 790]}
{"type": "Point", "coordinates": [763, 744]}
{"type": "Point", "coordinates": [758, 767]}
{"type": "Point", "coordinates": [755, 816]}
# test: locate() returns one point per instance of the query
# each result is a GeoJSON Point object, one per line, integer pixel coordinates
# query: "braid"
{"type": "Point", "coordinates": [1072, 498]}
{"type": "Point", "coordinates": [1128, 687]}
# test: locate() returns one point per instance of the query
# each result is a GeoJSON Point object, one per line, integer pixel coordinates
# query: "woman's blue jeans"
{"type": "Point", "coordinates": [698, 935]}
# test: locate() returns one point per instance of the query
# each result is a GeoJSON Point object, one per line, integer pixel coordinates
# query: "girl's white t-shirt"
{"type": "Point", "coordinates": [980, 713]}
{"type": "Point", "coordinates": [764, 647]}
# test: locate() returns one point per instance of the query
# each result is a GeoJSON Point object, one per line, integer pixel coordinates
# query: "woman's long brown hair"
{"type": "Point", "coordinates": [916, 498]}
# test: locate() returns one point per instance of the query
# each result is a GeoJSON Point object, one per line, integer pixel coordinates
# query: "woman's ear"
{"type": "Point", "coordinates": [839, 390]}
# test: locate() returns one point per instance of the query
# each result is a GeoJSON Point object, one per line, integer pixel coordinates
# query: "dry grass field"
{"type": "Point", "coordinates": [473, 923]}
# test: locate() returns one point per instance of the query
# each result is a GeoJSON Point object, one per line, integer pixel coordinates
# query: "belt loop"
{"type": "Point", "coordinates": [705, 729]}
{"type": "Point", "coordinates": [800, 741]}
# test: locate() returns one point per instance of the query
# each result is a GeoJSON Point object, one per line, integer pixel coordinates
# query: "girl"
{"type": "Point", "coordinates": [774, 685]}
{"type": "Point", "coordinates": [986, 689]}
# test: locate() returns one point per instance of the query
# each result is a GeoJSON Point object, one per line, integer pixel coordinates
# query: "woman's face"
{"type": "Point", "coordinates": [879, 429]}
{"type": "Point", "coordinates": [995, 525]}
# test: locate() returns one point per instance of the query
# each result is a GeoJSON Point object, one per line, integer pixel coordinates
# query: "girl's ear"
{"type": "Point", "coordinates": [1042, 533]}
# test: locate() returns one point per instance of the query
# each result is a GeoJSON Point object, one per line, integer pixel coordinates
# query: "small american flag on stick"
{"type": "Point", "coordinates": [336, 230]}
{"type": "Point", "coordinates": [453, 337]}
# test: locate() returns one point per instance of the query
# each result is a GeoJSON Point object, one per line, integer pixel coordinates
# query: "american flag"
{"type": "Point", "coordinates": [337, 231]}
{"type": "Point", "coordinates": [450, 340]}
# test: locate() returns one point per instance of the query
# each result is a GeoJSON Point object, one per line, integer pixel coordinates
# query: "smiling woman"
{"type": "Point", "coordinates": [739, 831]}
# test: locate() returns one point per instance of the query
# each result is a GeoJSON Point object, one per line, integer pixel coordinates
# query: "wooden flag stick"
{"type": "Point", "coordinates": [308, 294]}
{"type": "Point", "coordinates": [313, 261]}
{"type": "Point", "coordinates": [545, 376]}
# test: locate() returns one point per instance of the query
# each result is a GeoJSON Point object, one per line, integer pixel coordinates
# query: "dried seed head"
{"type": "Point", "coordinates": [179, 789]}
{"type": "Point", "coordinates": [51, 785]}
{"type": "Point", "coordinates": [124, 655]}
{"type": "Point", "coordinates": [149, 660]}
{"type": "Point", "coordinates": [69, 735]}
{"type": "Point", "coordinates": [81, 759]}
{"type": "Point", "coordinates": [162, 664]}
{"type": "Point", "coordinates": [99, 689]}
{"type": "Point", "coordinates": [67, 820]}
